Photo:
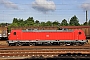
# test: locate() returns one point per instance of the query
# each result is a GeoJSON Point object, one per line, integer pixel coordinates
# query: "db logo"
{"type": "Point", "coordinates": [47, 35]}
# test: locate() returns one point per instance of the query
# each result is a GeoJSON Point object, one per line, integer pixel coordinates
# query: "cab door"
{"type": "Point", "coordinates": [18, 35]}
{"type": "Point", "coordinates": [13, 36]}
{"type": "Point", "coordinates": [76, 34]}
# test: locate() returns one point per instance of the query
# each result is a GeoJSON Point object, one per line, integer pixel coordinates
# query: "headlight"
{"type": "Point", "coordinates": [8, 33]}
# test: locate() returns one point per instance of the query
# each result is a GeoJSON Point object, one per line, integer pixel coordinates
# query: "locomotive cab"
{"type": "Point", "coordinates": [80, 37]}
{"type": "Point", "coordinates": [15, 35]}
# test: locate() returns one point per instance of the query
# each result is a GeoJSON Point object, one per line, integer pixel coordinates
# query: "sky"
{"type": "Point", "coordinates": [43, 10]}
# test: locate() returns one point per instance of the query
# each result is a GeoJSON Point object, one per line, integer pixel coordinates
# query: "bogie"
{"type": "Point", "coordinates": [46, 43]}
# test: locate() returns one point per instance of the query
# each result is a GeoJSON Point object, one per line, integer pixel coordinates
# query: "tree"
{"type": "Point", "coordinates": [48, 23]}
{"type": "Point", "coordinates": [15, 20]}
{"type": "Point", "coordinates": [20, 22]}
{"type": "Point", "coordinates": [74, 21]}
{"type": "Point", "coordinates": [42, 24]}
{"type": "Point", "coordinates": [2, 24]}
{"type": "Point", "coordinates": [30, 21]}
{"type": "Point", "coordinates": [89, 22]}
{"type": "Point", "coordinates": [14, 25]}
{"type": "Point", "coordinates": [56, 23]}
{"type": "Point", "coordinates": [64, 23]}
{"type": "Point", "coordinates": [85, 23]}
{"type": "Point", "coordinates": [37, 22]}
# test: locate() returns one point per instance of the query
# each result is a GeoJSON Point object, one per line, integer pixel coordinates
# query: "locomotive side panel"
{"type": "Point", "coordinates": [47, 36]}
{"type": "Point", "coordinates": [29, 36]}
{"type": "Point", "coordinates": [55, 35]}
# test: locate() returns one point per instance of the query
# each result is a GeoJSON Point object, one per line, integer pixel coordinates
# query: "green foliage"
{"type": "Point", "coordinates": [37, 22]}
{"type": "Point", "coordinates": [89, 22]}
{"type": "Point", "coordinates": [56, 23]}
{"type": "Point", "coordinates": [15, 20]}
{"type": "Point", "coordinates": [3, 24]}
{"type": "Point", "coordinates": [30, 19]}
{"type": "Point", "coordinates": [22, 23]}
{"type": "Point", "coordinates": [31, 22]}
{"type": "Point", "coordinates": [64, 23]}
{"type": "Point", "coordinates": [42, 24]}
{"type": "Point", "coordinates": [9, 28]}
{"type": "Point", "coordinates": [48, 23]}
{"type": "Point", "coordinates": [74, 21]}
{"type": "Point", "coordinates": [85, 23]}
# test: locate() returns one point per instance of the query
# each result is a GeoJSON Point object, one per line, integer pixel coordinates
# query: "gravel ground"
{"type": "Point", "coordinates": [12, 58]}
{"type": "Point", "coordinates": [89, 41]}
{"type": "Point", "coordinates": [3, 43]}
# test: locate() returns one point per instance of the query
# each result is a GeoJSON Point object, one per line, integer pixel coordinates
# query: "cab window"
{"type": "Point", "coordinates": [14, 33]}
{"type": "Point", "coordinates": [80, 33]}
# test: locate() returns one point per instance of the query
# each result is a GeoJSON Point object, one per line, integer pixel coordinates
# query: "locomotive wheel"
{"type": "Point", "coordinates": [31, 44]}
{"type": "Point", "coordinates": [9, 44]}
{"type": "Point", "coordinates": [77, 44]}
{"type": "Point", "coordinates": [81, 44]}
{"type": "Point", "coordinates": [18, 44]}
{"type": "Point", "coordinates": [66, 44]}
{"type": "Point", "coordinates": [62, 44]}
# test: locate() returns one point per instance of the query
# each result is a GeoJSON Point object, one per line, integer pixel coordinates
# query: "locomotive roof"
{"type": "Point", "coordinates": [35, 30]}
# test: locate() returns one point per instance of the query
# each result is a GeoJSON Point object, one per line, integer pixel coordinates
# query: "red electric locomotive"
{"type": "Point", "coordinates": [60, 37]}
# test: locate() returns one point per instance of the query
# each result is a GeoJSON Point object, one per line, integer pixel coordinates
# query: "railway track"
{"type": "Point", "coordinates": [23, 52]}
{"type": "Point", "coordinates": [42, 47]}
{"type": "Point", "coordinates": [43, 53]}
